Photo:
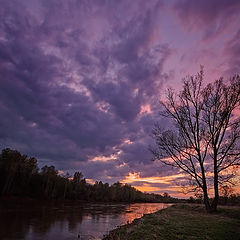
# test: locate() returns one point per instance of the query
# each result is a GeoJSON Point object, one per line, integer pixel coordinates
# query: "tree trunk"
{"type": "Point", "coordinates": [216, 193]}
{"type": "Point", "coordinates": [9, 179]}
{"type": "Point", "coordinates": [206, 200]}
{"type": "Point", "coordinates": [65, 190]}
{"type": "Point", "coordinates": [205, 191]}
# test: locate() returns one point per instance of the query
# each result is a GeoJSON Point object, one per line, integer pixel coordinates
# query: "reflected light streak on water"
{"type": "Point", "coordinates": [89, 221]}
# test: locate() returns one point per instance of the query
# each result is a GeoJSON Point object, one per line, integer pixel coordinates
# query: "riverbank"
{"type": "Point", "coordinates": [182, 222]}
{"type": "Point", "coordinates": [12, 201]}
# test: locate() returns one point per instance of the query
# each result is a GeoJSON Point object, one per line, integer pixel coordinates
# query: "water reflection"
{"type": "Point", "coordinates": [90, 221]}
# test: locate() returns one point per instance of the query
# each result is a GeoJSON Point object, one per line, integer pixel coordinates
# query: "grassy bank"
{"type": "Point", "coordinates": [182, 222]}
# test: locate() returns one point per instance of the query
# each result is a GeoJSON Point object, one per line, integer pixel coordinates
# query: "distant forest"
{"type": "Point", "coordinates": [20, 176]}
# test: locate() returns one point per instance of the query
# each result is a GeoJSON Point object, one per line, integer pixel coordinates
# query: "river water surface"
{"type": "Point", "coordinates": [85, 221]}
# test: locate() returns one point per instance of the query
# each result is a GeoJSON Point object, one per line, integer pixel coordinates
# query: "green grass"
{"type": "Point", "coordinates": [182, 222]}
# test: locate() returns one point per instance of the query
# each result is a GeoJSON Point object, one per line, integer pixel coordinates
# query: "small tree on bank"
{"type": "Point", "coordinates": [205, 142]}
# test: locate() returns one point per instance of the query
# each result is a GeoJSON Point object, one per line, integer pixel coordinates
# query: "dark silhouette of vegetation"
{"type": "Point", "coordinates": [21, 177]}
{"type": "Point", "coordinates": [226, 197]}
{"type": "Point", "coordinates": [232, 200]}
{"type": "Point", "coordinates": [205, 141]}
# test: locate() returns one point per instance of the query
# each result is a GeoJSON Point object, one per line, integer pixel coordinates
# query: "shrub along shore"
{"type": "Point", "coordinates": [182, 222]}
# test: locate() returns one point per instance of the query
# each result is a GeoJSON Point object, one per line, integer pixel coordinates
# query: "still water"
{"type": "Point", "coordinates": [89, 221]}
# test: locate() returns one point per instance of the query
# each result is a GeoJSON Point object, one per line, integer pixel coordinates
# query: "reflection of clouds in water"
{"type": "Point", "coordinates": [90, 221]}
{"type": "Point", "coordinates": [107, 221]}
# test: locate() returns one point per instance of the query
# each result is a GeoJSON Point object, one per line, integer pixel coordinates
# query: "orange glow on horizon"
{"type": "Point", "coordinates": [135, 177]}
{"type": "Point", "coordinates": [146, 184]}
{"type": "Point", "coordinates": [147, 188]}
{"type": "Point", "coordinates": [90, 181]}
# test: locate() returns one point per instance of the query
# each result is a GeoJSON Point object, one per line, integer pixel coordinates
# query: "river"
{"type": "Point", "coordinates": [85, 221]}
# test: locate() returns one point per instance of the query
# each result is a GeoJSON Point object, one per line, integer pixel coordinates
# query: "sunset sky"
{"type": "Point", "coordinates": [80, 80]}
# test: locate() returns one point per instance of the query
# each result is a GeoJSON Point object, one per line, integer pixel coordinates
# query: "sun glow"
{"type": "Point", "coordinates": [147, 188]}
{"type": "Point", "coordinates": [90, 181]}
{"type": "Point", "coordinates": [135, 177]}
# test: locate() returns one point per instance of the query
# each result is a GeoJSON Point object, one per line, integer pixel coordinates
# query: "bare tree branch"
{"type": "Point", "coordinates": [205, 140]}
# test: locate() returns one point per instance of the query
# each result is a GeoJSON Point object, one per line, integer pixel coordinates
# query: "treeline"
{"type": "Point", "coordinates": [20, 176]}
{"type": "Point", "coordinates": [227, 196]}
{"type": "Point", "coordinates": [230, 200]}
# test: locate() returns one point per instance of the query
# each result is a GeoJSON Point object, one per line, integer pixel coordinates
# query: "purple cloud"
{"type": "Point", "coordinates": [232, 51]}
{"type": "Point", "coordinates": [212, 16]}
{"type": "Point", "coordinates": [80, 81]}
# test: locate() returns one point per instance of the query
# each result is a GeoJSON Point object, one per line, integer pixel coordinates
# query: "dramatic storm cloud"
{"type": "Point", "coordinates": [80, 80]}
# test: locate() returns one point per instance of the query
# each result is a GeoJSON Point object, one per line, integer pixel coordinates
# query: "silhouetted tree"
{"type": "Point", "coordinates": [20, 176]}
{"type": "Point", "coordinates": [65, 179]}
{"type": "Point", "coordinates": [16, 171]}
{"type": "Point", "coordinates": [49, 180]}
{"type": "Point", "coordinates": [10, 163]}
{"type": "Point", "coordinates": [205, 140]}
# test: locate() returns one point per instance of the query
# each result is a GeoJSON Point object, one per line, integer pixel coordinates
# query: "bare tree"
{"type": "Point", "coordinates": [205, 142]}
